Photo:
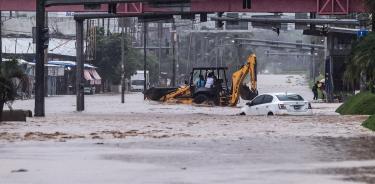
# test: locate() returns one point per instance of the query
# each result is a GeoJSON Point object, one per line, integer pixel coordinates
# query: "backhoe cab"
{"type": "Point", "coordinates": [217, 93]}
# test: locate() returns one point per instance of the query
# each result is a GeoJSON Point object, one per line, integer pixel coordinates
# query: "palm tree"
{"type": "Point", "coordinates": [362, 62]}
{"type": "Point", "coordinates": [10, 72]}
{"type": "Point", "coordinates": [370, 5]}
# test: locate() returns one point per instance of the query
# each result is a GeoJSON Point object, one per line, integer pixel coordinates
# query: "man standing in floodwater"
{"type": "Point", "coordinates": [315, 90]}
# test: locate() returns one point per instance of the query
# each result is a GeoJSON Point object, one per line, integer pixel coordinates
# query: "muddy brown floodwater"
{"type": "Point", "coordinates": [146, 142]}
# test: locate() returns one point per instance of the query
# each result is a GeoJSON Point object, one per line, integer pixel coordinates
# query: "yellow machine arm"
{"type": "Point", "coordinates": [180, 92]}
{"type": "Point", "coordinates": [239, 76]}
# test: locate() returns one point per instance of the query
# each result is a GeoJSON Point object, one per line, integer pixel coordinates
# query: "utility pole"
{"type": "Point", "coordinates": [123, 61]}
{"type": "Point", "coordinates": [145, 57]}
{"type": "Point", "coordinates": [160, 34]}
{"type": "Point", "coordinates": [79, 66]}
{"type": "Point", "coordinates": [313, 62]}
{"type": "Point", "coordinates": [46, 61]}
{"type": "Point", "coordinates": [239, 55]}
{"type": "Point", "coordinates": [189, 54]}
{"type": "Point", "coordinates": [39, 57]}
{"type": "Point", "coordinates": [173, 53]}
{"type": "Point", "coordinates": [108, 21]}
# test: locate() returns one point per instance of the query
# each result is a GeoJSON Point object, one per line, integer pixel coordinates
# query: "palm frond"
{"type": "Point", "coordinates": [9, 71]}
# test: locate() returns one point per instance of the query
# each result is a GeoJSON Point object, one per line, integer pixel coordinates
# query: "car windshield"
{"type": "Point", "coordinates": [292, 97]}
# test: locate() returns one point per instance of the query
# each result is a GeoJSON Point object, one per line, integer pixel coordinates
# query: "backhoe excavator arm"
{"type": "Point", "coordinates": [239, 76]}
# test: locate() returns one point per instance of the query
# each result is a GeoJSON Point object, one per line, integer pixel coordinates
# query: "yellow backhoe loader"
{"type": "Point", "coordinates": [218, 93]}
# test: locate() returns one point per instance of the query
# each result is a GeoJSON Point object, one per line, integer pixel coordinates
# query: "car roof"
{"type": "Point", "coordinates": [280, 93]}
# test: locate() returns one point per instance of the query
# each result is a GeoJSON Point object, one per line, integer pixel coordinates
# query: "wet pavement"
{"type": "Point", "coordinates": [145, 142]}
{"type": "Point", "coordinates": [248, 160]}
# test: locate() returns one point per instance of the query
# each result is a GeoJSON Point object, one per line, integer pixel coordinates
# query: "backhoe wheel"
{"type": "Point", "coordinates": [199, 99]}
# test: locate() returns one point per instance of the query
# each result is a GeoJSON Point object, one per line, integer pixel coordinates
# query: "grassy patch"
{"type": "Point", "coordinates": [360, 104]}
{"type": "Point", "coordinates": [370, 123]}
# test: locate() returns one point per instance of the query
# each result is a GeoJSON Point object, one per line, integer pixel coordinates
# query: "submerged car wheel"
{"type": "Point", "coordinates": [200, 98]}
{"type": "Point", "coordinates": [270, 114]}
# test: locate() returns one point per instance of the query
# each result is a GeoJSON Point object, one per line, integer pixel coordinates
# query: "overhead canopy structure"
{"type": "Point", "coordinates": [330, 7]}
{"type": "Point", "coordinates": [69, 64]}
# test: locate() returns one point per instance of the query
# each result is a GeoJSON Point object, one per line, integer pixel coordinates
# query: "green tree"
{"type": "Point", "coordinates": [108, 59]}
{"type": "Point", "coordinates": [10, 71]}
{"type": "Point", "coordinates": [362, 61]}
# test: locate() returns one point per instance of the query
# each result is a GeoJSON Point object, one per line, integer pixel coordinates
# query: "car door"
{"type": "Point", "coordinates": [264, 107]}
{"type": "Point", "coordinates": [255, 104]}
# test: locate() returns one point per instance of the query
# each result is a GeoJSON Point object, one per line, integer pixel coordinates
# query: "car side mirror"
{"type": "Point", "coordinates": [249, 104]}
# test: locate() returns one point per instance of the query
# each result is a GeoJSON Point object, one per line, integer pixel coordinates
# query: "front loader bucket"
{"type": "Point", "coordinates": [156, 93]}
{"type": "Point", "coordinates": [246, 93]}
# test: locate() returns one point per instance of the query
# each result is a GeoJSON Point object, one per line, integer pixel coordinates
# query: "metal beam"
{"type": "Point", "coordinates": [152, 47]}
{"type": "Point", "coordinates": [89, 2]}
{"type": "Point", "coordinates": [283, 20]}
{"type": "Point", "coordinates": [209, 6]}
{"type": "Point", "coordinates": [281, 43]}
{"type": "Point", "coordinates": [275, 46]}
{"type": "Point", "coordinates": [82, 2]}
{"type": "Point", "coordinates": [111, 15]}
{"type": "Point", "coordinates": [288, 54]}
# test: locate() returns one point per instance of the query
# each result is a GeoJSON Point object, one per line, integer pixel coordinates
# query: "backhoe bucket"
{"type": "Point", "coordinates": [246, 93]}
{"type": "Point", "coordinates": [156, 94]}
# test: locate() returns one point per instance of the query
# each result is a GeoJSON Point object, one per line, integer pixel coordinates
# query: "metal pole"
{"type": "Point", "coordinates": [108, 21]}
{"type": "Point", "coordinates": [160, 34]}
{"type": "Point", "coordinates": [46, 61]}
{"type": "Point", "coordinates": [79, 66]}
{"type": "Point", "coordinates": [222, 50]}
{"type": "Point", "coordinates": [144, 58]}
{"type": "Point", "coordinates": [239, 54]}
{"type": "Point", "coordinates": [313, 63]}
{"type": "Point", "coordinates": [189, 55]}
{"type": "Point", "coordinates": [173, 54]}
{"type": "Point", "coordinates": [39, 58]}
{"type": "Point", "coordinates": [123, 66]}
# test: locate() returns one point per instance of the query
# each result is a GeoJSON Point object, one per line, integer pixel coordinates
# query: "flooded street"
{"type": "Point", "coordinates": [146, 142]}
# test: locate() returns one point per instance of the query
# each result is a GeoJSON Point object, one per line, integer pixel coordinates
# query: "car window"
{"type": "Point", "coordinates": [267, 99]}
{"type": "Point", "coordinates": [292, 97]}
{"type": "Point", "coordinates": [258, 100]}
{"type": "Point", "coordinates": [137, 82]}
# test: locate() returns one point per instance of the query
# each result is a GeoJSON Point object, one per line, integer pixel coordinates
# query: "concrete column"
{"type": "Point", "coordinates": [79, 66]}
{"type": "Point", "coordinates": [39, 57]}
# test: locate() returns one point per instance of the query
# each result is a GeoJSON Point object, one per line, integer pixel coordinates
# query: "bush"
{"type": "Point", "coordinates": [370, 123]}
{"type": "Point", "coordinates": [360, 104]}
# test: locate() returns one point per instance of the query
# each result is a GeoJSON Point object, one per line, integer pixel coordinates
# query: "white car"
{"type": "Point", "coordinates": [277, 104]}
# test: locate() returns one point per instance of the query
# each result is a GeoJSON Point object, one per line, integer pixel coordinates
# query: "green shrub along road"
{"type": "Point", "coordinates": [360, 104]}
{"type": "Point", "coordinates": [370, 123]}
